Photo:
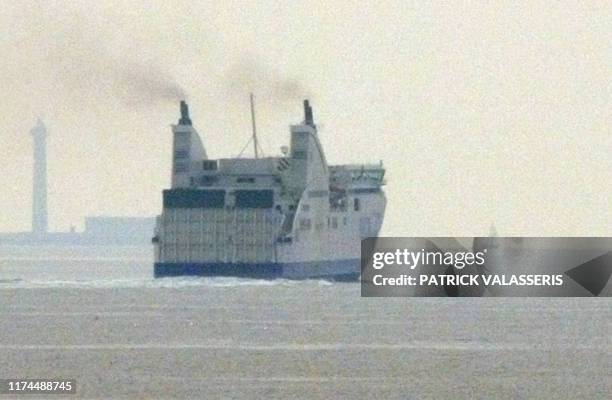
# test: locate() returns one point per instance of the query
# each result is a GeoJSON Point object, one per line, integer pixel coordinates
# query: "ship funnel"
{"type": "Point", "coordinates": [185, 120]}
{"type": "Point", "coordinates": [308, 119]}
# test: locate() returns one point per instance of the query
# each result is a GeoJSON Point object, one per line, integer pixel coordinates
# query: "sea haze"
{"type": "Point", "coordinates": [97, 315]}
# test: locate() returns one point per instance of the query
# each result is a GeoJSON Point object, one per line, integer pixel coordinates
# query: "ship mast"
{"type": "Point", "coordinates": [254, 127]}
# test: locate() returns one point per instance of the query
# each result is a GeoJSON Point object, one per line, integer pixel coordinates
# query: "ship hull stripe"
{"type": "Point", "coordinates": [337, 270]}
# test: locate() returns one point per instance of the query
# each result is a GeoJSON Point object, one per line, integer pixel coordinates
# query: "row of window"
{"type": "Point", "coordinates": [367, 174]}
{"type": "Point", "coordinates": [196, 198]}
{"type": "Point", "coordinates": [356, 205]}
{"type": "Point", "coordinates": [245, 179]}
{"type": "Point", "coordinates": [332, 223]}
{"type": "Point", "coordinates": [210, 180]}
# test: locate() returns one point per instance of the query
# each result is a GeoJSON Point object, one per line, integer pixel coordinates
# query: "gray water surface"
{"type": "Point", "coordinates": [97, 315]}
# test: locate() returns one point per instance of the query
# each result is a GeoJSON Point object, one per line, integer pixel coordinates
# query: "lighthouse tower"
{"type": "Point", "coordinates": [39, 190]}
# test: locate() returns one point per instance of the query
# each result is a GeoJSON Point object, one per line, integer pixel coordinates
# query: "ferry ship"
{"type": "Point", "coordinates": [292, 216]}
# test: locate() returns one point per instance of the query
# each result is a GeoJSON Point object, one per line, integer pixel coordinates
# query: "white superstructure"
{"type": "Point", "coordinates": [293, 216]}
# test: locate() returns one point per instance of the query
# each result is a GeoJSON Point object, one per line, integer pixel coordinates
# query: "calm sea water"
{"type": "Point", "coordinates": [97, 315]}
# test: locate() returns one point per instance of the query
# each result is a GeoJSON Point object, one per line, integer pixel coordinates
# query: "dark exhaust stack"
{"type": "Point", "coordinates": [308, 119]}
{"type": "Point", "coordinates": [185, 120]}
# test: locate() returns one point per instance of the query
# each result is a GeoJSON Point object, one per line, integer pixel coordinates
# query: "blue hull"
{"type": "Point", "coordinates": [336, 270]}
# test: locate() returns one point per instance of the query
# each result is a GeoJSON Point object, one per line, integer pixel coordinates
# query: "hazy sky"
{"type": "Point", "coordinates": [481, 111]}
